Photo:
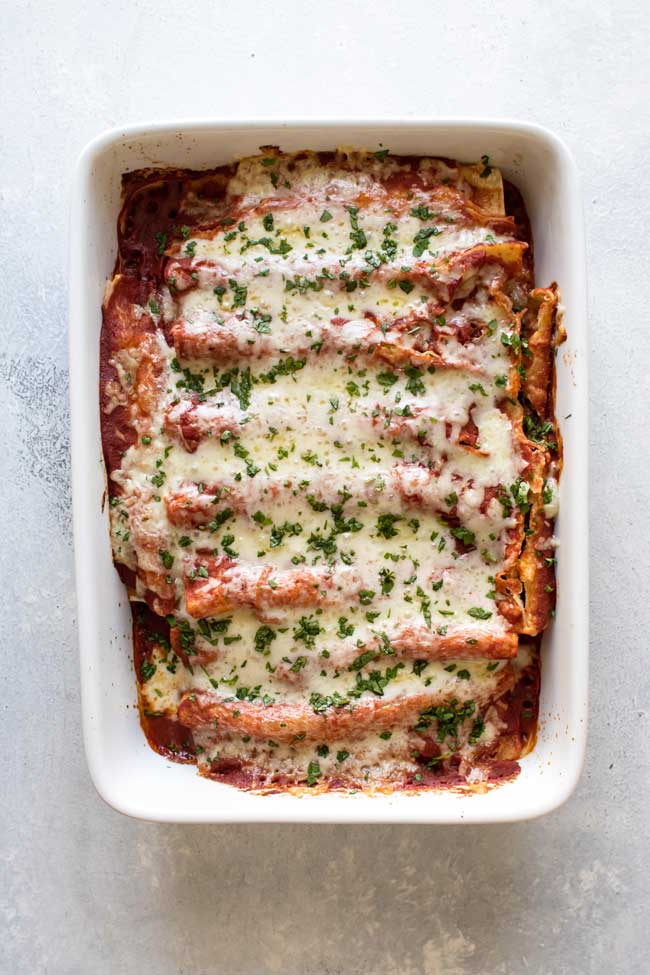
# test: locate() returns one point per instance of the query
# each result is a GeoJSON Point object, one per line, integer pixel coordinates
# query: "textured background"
{"type": "Point", "coordinates": [88, 892]}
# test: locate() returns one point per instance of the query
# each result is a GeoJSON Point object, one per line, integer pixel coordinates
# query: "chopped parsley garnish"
{"type": "Point", "coordinates": [321, 702]}
{"type": "Point", "coordinates": [386, 525]}
{"type": "Point", "coordinates": [261, 323]}
{"type": "Point", "coordinates": [166, 558]}
{"type": "Point", "coordinates": [239, 293]}
{"type": "Point", "coordinates": [376, 681]}
{"type": "Point", "coordinates": [538, 431]}
{"type": "Point", "coordinates": [477, 730]}
{"type": "Point", "coordinates": [425, 605]}
{"type": "Point", "coordinates": [147, 670]}
{"type": "Point", "coordinates": [226, 544]}
{"type": "Point", "coordinates": [311, 458]}
{"type": "Point", "coordinates": [313, 773]}
{"type": "Point", "coordinates": [386, 379]}
{"type": "Point", "coordinates": [422, 212]}
{"type": "Point", "coordinates": [520, 491]}
{"type": "Point", "coordinates": [281, 248]}
{"type": "Point", "coordinates": [414, 384]}
{"type": "Point", "coordinates": [448, 718]}
{"type": "Point", "coordinates": [323, 543]}
{"type": "Point", "coordinates": [264, 637]}
{"type": "Point", "coordinates": [387, 580]}
{"type": "Point", "coordinates": [345, 628]}
{"type": "Point", "coordinates": [242, 385]}
{"type": "Point", "coordinates": [286, 367]}
{"type": "Point", "coordinates": [220, 518]}
{"type": "Point", "coordinates": [357, 236]}
{"type": "Point", "coordinates": [368, 656]}
{"type": "Point", "coordinates": [463, 535]}
{"type": "Point", "coordinates": [422, 238]}
{"type": "Point", "coordinates": [279, 532]}
{"type": "Point", "coordinates": [511, 340]}
{"type": "Point", "coordinates": [307, 630]}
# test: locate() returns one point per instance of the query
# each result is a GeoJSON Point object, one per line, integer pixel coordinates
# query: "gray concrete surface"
{"type": "Point", "coordinates": [87, 892]}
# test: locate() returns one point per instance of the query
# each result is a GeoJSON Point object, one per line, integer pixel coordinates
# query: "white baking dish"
{"type": "Point", "coordinates": [125, 771]}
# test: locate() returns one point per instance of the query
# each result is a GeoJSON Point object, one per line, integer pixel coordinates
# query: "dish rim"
{"type": "Point", "coordinates": [84, 432]}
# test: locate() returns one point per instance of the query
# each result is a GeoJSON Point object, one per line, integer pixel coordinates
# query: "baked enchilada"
{"type": "Point", "coordinates": [327, 400]}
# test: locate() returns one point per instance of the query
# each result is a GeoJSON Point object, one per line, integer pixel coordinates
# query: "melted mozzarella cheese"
{"type": "Point", "coordinates": [318, 423]}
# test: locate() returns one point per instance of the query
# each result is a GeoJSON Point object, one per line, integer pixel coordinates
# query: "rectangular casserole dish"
{"type": "Point", "coordinates": [127, 774]}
